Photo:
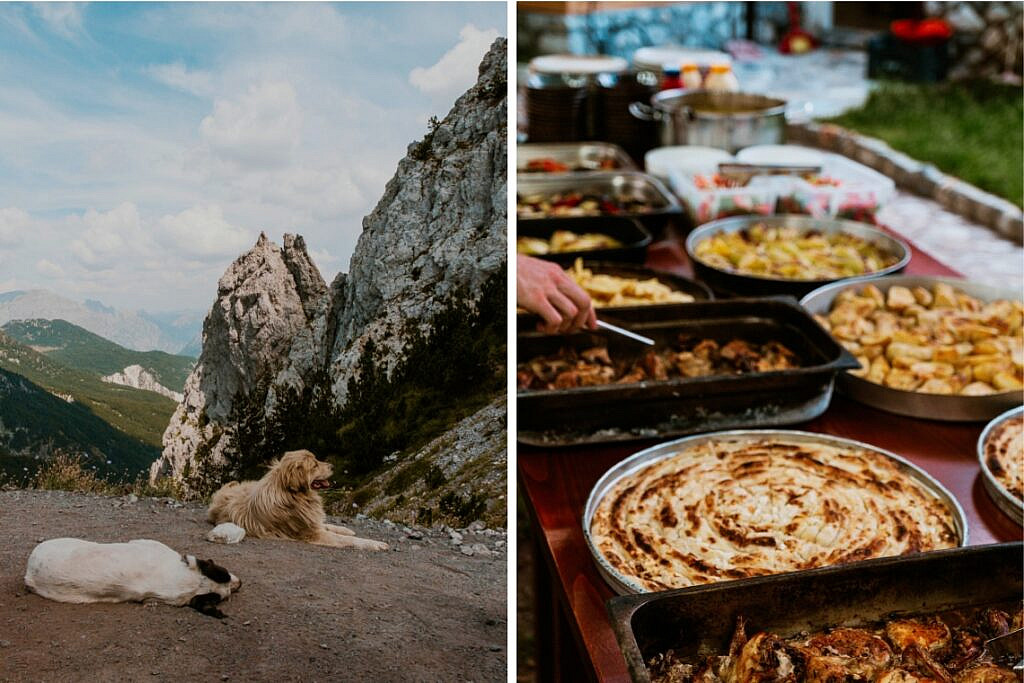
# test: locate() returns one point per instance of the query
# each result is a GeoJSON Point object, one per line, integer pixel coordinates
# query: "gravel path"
{"type": "Point", "coordinates": [431, 609]}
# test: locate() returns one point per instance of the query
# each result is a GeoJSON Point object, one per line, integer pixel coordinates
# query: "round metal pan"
{"type": "Point", "coordinates": [638, 461]}
{"type": "Point", "coordinates": [754, 285]}
{"type": "Point", "coordinates": [911, 403]}
{"type": "Point", "coordinates": [1004, 500]}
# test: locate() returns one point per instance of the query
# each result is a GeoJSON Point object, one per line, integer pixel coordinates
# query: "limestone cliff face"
{"type": "Point", "coordinates": [262, 304]}
{"type": "Point", "coordinates": [277, 329]}
{"type": "Point", "coordinates": [139, 377]}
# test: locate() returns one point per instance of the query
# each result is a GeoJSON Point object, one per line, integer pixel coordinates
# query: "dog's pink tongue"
{"type": "Point", "coordinates": [321, 484]}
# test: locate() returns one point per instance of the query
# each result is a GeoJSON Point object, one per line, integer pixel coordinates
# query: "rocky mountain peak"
{"type": "Point", "coordinates": [276, 330]}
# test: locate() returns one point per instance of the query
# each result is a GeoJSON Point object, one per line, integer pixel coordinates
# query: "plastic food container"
{"type": "Point", "coordinates": [759, 196]}
{"type": "Point", "coordinates": [860, 190]}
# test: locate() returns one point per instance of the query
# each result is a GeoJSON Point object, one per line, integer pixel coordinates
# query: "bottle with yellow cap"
{"type": "Point", "coordinates": [691, 76]}
{"type": "Point", "coordinates": [721, 79]}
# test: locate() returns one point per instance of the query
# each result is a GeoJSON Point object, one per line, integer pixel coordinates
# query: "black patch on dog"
{"type": "Point", "coordinates": [213, 571]}
{"type": "Point", "coordinates": [207, 604]}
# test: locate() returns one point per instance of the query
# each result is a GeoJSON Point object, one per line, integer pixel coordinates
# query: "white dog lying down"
{"type": "Point", "coordinates": [285, 504]}
{"type": "Point", "coordinates": [73, 570]}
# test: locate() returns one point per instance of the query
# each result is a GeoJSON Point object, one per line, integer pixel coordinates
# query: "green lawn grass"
{"type": "Point", "coordinates": [971, 130]}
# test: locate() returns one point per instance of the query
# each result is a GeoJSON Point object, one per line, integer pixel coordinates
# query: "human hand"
{"type": "Point", "coordinates": [542, 287]}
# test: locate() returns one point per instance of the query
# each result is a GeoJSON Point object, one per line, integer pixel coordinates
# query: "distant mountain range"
{"type": "Point", "coordinates": [178, 332]}
{"type": "Point", "coordinates": [79, 348]}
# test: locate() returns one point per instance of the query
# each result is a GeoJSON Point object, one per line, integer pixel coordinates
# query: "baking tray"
{"type": "Point", "coordinates": [699, 291]}
{"type": "Point", "coordinates": [631, 184]}
{"type": "Point", "coordinates": [911, 403]}
{"type": "Point", "coordinates": [627, 412]}
{"type": "Point", "coordinates": [585, 155]}
{"type": "Point", "coordinates": [701, 620]}
{"type": "Point", "coordinates": [634, 236]}
{"type": "Point", "coordinates": [638, 461]}
{"type": "Point", "coordinates": [1004, 500]}
{"type": "Point", "coordinates": [753, 285]}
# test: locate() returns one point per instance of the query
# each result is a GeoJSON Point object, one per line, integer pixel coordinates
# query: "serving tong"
{"type": "Point", "coordinates": [625, 333]}
{"type": "Point", "coordinates": [1008, 650]}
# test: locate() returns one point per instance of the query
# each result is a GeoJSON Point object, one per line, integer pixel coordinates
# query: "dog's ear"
{"type": "Point", "coordinates": [213, 571]}
{"type": "Point", "coordinates": [207, 604]}
{"type": "Point", "coordinates": [294, 474]}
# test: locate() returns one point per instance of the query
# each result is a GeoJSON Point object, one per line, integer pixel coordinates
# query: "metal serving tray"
{"type": "Point", "coordinates": [635, 237]}
{"type": "Point", "coordinates": [645, 458]}
{"type": "Point", "coordinates": [627, 412]}
{"type": "Point", "coordinates": [699, 291]}
{"type": "Point", "coordinates": [632, 184]}
{"type": "Point", "coordinates": [586, 155]}
{"type": "Point", "coordinates": [753, 285]}
{"type": "Point", "coordinates": [699, 621]}
{"type": "Point", "coordinates": [912, 403]}
{"type": "Point", "coordinates": [1004, 500]}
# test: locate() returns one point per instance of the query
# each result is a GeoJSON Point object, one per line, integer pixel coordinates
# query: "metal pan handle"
{"type": "Point", "coordinates": [644, 112]}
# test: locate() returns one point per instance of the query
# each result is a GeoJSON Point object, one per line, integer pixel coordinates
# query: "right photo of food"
{"type": "Point", "coordinates": [770, 341]}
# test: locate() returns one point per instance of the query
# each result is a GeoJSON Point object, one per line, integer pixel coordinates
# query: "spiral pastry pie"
{"type": "Point", "coordinates": [744, 506]}
{"type": "Point", "coordinates": [1004, 455]}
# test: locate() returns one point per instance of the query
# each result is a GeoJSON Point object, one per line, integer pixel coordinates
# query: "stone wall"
{"type": "Point", "coordinates": [987, 40]}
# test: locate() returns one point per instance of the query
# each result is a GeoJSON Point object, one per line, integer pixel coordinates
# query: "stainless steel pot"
{"type": "Point", "coordinates": [726, 120]}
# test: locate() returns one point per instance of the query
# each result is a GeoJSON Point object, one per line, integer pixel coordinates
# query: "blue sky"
{"type": "Point", "coordinates": [144, 146]}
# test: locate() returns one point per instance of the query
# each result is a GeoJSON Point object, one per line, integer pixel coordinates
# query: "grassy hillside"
{"type": "Point", "coordinates": [36, 426]}
{"type": "Point", "coordinates": [971, 130]}
{"type": "Point", "coordinates": [79, 348]}
{"type": "Point", "coordinates": [141, 414]}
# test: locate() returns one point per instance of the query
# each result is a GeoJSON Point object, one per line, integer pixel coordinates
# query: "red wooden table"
{"type": "Point", "coordinates": [574, 635]}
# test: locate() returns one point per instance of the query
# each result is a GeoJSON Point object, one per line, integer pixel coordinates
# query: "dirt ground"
{"type": "Point", "coordinates": [422, 611]}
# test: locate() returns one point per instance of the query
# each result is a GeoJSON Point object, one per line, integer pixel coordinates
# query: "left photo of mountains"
{"type": "Point", "coordinates": [252, 341]}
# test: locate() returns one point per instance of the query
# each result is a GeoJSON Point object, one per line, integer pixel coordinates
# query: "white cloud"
{"type": "Point", "coordinates": [178, 76]}
{"type": "Point", "coordinates": [202, 233]}
{"type": "Point", "coordinates": [457, 68]}
{"type": "Point", "coordinates": [15, 224]}
{"type": "Point", "coordinates": [48, 268]}
{"type": "Point", "coordinates": [261, 128]}
{"type": "Point", "coordinates": [107, 238]}
{"type": "Point", "coordinates": [63, 18]}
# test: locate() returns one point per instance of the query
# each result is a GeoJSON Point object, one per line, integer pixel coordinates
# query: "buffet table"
{"type": "Point", "coordinates": [574, 637]}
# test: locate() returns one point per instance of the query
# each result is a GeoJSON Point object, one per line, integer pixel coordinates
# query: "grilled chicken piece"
{"type": "Point", "coordinates": [764, 659]}
{"type": "Point", "coordinates": [596, 354]}
{"type": "Point", "coordinates": [854, 651]}
{"type": "Point", "coordinates": [900, 676]}
{"type": "Point", "coordinates": [690, 365]}
{"type": "Point", "coordinates": [917, 660]}
{"type": "Point", "coordinates": [965, 647]}
{"type": "Point", "coordinates": [994, 623]}
{"type": "Point", "coordinates": [985, 673]}
{"type": "Point", "coordinates": [655, 366]}
{"type": "Point", "coordinates": [933, 635]}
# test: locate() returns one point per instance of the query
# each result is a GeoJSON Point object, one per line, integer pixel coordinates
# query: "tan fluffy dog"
{"type": "Point", "coordinates": [285, 504]}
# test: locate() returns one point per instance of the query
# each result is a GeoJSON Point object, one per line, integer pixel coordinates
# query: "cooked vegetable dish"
{"type": "Point", "coordinates": [549, 165]}
{"type": "Point", "coordinates": [613, 290]}
{"type": "Point", "coordinates": [688, 357]}
{"type": "Point", "coordinates": [563, 241]}
{"type": "Point", "coordinates": [945, 648]}
{"type": "Point", "coordinates": [932, 341]}
{"type": "Point", "coordinates": [792, 254]}
{"type": "Point", "coordinates": [579, 204]}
